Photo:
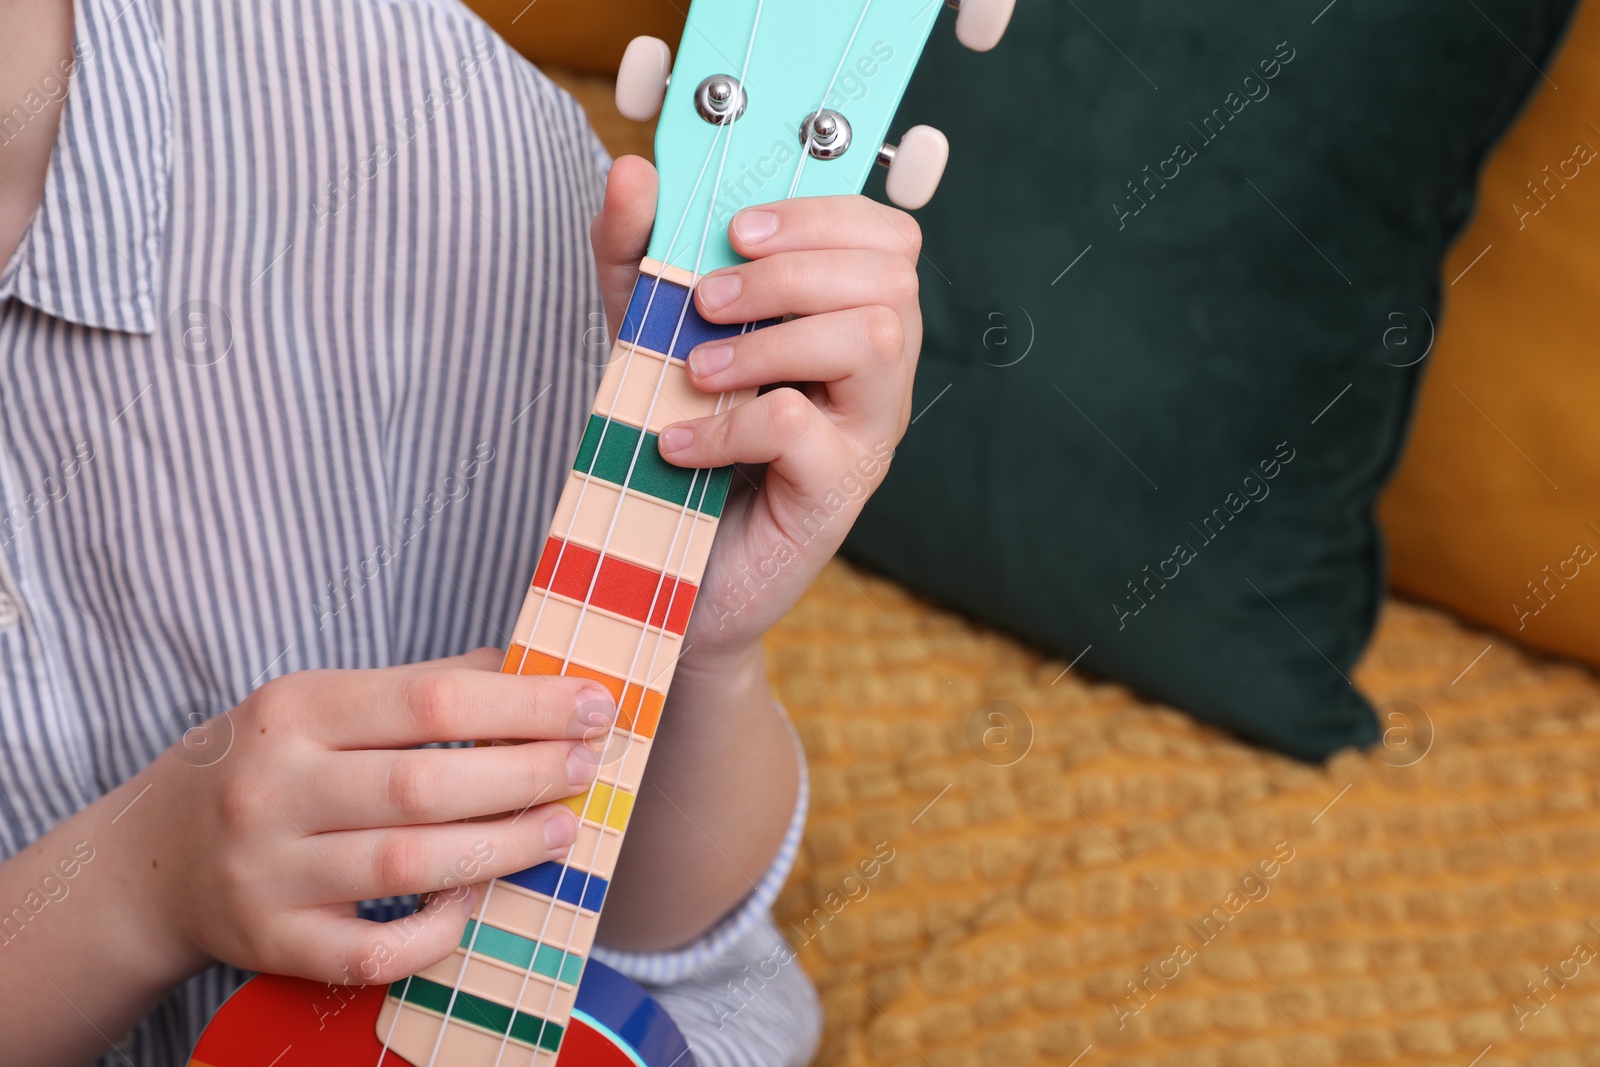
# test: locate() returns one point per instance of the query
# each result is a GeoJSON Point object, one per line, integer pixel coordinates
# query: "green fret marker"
{"type": "Point", "coordinates": [518, 951]}
{"type": "Point", "coordinates": [498, 1019]}
{"type": "Point", "coordinates": [652, 475]}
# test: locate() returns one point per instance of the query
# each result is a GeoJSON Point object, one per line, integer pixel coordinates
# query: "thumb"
{"type": "Point", "coordinates": [352, 951]}
{"type": "Point", "coordinates": [621, 231]}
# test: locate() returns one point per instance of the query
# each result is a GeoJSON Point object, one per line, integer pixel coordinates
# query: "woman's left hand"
{"type": "Point", "coordinates": [810, 454]}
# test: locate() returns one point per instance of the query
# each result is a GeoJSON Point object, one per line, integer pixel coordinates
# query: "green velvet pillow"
{"type": "Point", "coordinates": [1173, 333]}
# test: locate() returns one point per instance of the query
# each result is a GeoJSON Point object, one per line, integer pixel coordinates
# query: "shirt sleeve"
{"type": "Point", "coordinates": [678, 965]}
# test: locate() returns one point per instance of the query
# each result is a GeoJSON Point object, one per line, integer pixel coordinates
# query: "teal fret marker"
{"type": "Point", "coordinates": [503, 945]}
{"type": "Point", "coordinates": [652, 475]}
{"type": "Point", "coordinates": [477, 1011]}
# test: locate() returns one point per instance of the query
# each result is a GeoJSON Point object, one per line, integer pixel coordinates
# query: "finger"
{"type": "Point", "coordinates": [415, 787]}
{"type": "Point", "coordinates": [621, 232]}
{"type": "Point", "coordinates": [818, 222]}
{"type": "Point", "coordinates": [425, 859]}
{"type": "Point", "coordinates": [327, 946]}
{"type": "Point", "coordinates": [859, 353]}
{"type": "Point", "coordinates": [405, 706]}
{"type": "Point", "coordinates": [807, 283]}
{"type": "Point", "coordinates": [781, 428]}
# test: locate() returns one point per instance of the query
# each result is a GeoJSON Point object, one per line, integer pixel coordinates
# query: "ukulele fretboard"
{"type": "Point", "coordinates": [610, 601]}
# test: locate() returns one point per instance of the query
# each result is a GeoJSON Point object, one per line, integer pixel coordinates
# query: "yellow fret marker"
{"type": "Point", "coordinates": [605, 806]}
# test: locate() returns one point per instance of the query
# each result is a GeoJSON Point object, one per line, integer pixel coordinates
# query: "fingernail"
{"type": "Point", "coordinates": [560, 829]}
{"type": "Point", "coordinates": [753, 227]}
{"type": "Point", "coordinates": [676, 438]}
{"type": "Point", "coordinates": [595, 706]}
{"type": "Point", "coordinates": [719, 291]}
{"type": "Point", "coordinates": [707, 361]}
{"type": "Point", "coordinates": [582, 763]}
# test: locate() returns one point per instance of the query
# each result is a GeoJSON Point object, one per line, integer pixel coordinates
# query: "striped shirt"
{"type": "Point", "coordinates": [293, 358]}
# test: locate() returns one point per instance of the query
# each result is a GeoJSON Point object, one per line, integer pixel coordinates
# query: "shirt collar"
{"type": "Point", "coordinates": [93, 249]}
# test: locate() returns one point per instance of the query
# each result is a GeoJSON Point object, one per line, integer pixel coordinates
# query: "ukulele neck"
{"type": "Point", "coordinates": [755, 85]}
{"type": "Point", "coordinates": [610, 600]}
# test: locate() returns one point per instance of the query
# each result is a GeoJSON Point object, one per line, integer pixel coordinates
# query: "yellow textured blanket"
{"type": "Point", "coordinates": [1151, 891]}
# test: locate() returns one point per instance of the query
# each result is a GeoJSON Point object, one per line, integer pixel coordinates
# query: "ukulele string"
{"type": "Point", "coordinates": [650, 675]}
{"type": "Point", "coordinates": [610, 419]}
{"type": "Point", "coordinates": [694, 282]}
{"type": "Point", "coordinates": [805, 152]}
{"type": "Point", "coordinates": [660, 635]}
{"type": "Point", "coordinates": [483, 905]}
{"type": "Point", "coordinates": [627, 744]}
{"type": "Point", "coordinates": [566, 664]}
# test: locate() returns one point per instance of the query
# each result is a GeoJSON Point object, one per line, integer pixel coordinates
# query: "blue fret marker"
{"type": "Point", "coordinates": [668, 303]}
{"type": "Point", "coordinates": [578, 888]}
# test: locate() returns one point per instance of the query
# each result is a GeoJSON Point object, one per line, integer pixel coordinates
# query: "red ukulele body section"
{"type": "Point", "coordinates": [290, 1022]}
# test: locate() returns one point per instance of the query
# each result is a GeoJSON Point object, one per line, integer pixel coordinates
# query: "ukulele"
{"type": "Point", "coordinates": [768, 99]}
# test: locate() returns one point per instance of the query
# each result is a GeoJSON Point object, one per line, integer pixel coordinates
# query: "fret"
{"type": "Point", "coordinates": [480, 1014]}
{"type": "Point", "coordinates": [563, 884]}
{"type": "Point", "coordinates": [622, 765]}
{"type": "Point", "coordinates": [523, 953]}
{"type": "Point", "coordinates": [617, 646]}
{"type": "Point", "coordinates": [643, 388]}
{"type": "Point", "coordinates": [531, 915]}
{"type": "Point", "coordinates": [611, 452]}
{"type": "Point", "coordinates": [654, 268]}
{"type": "Point", "coordinates": [638, 705]}
{"type": "Point", "coordinates": [413, 1034]}
{"type": "Point", "coordinates": [603, 805]}
{"type": "Point", "coordinates": [674, 326]}
{"type": "Point", "coordinates": [646, 531]}
{"type": "Point", "coordinates": [596, 848]}
{"type": "Point", "coordinates": [622, 588]}
{"type": "Point", "coordinates": [491, 979]}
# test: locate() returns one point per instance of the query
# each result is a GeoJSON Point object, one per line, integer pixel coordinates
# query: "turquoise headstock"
{"type": "Point", "coordinates": [776, 98]}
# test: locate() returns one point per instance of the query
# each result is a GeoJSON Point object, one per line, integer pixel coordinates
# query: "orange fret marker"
{"type": "Point", "coordinates": [638, 713]}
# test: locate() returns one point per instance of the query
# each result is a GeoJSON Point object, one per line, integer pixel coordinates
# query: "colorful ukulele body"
{"type": "Point", "coordinates": [290, 1022]}
{"type": "Point", "coordinates": [768, 99]}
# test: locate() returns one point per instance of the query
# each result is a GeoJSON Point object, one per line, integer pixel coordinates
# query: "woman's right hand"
{"type": "Point", "coordinates": [266, 826]}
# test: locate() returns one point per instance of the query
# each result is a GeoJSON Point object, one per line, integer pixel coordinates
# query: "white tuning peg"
{"type": "Point", "coordinates": [981, 23]}
{"type": "Point", "coordinates": [642, 78]}
{"type": "Point", "coordinates": [915, 166]}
